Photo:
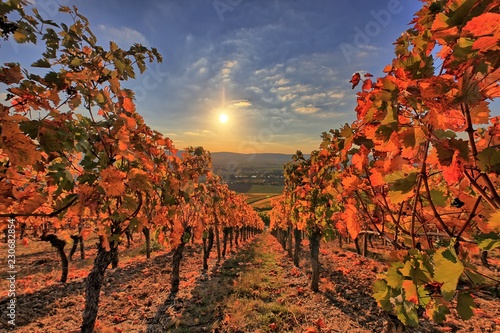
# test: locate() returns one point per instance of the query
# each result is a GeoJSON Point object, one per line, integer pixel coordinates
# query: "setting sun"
{"type": "Point", "coordinates": [223, 118]}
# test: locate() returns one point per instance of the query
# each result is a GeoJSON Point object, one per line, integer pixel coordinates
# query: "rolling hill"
{"type": "Point", "coordinates": [232, 162]}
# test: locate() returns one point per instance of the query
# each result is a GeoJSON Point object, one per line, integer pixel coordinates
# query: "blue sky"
{"type": "Point", "coordinates": [279, 69]}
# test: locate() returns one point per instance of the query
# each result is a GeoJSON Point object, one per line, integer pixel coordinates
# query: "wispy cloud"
{"type": "Point", "coordinates": [242, 104]}
{"type": "Point", "coordinates": [123, 36]}
{"type": "Point", "coordinates": [190, 133]}
{"type": "Point", "coordinates": [306, 109]}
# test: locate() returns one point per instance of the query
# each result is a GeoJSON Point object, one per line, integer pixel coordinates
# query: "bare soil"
{"type": "Point", "coordinates": [255, 288]}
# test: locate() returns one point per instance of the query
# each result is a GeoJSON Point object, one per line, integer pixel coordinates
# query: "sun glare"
{"type": "Point", "coordinates": [223, 118]}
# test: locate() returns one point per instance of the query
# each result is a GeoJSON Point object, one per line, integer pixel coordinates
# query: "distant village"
{"type": "Point", "coordinates": [259, 172]}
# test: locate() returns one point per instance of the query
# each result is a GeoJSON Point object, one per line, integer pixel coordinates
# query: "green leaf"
{"type": "Point", "coordinates": [488, 160]}
{"type": "Point", "coordinates": [450, 256]}
{"type": "Point", "coordinates": [381, 294]}
{"type": "Point", "coordinates": [134, 224]}
{"type": "Point", "coordinates": [447, 272]}
{"type": "Point", "coordinates": [423, 296]}
{"type": "Point", "coordinates": [442, 134]}
{"type": "Point", "coordinates": [437, 312]}
{"type": "Point", "coordinates": [120, 66]}
{"type": "Point", "coordinates": [41, 63]}
{"type": "Point", "coordinates": [346, 131]}
{"type": "Point", "coordinates": [55, 79]}
{"type": "Point", "coordinates": [113, 46]}
{"type": "Point", "coordinates": [422, 273]}
{"type": "Point", "coordinates": [473, 275]}
{"type": "Point", "coordinates": [465, 303]}
{"type": "Point", "coordinates": [393, 277]}
{"type": "Point", "coordinates": [364, 141]}
{"type": "Point", "coordinates": [402, 181]}
{"type": "Point", "coordinates": [445, 155]}
{"type": "Point", "coordinates": [186, 237]}
{"type": "Point", "coordinates": [462, 146]}
{"type": "Point", "coordinates": [407, 313]}
{"type": "Point", "coordinates": [31, 128]}
{"type": "Point", "coordinates": [490, 243]}
{"type": "Point", "coordinates": [407, 269]}
{"type": "Point", "coordinates": [76, 61]}
{"type": "Point", "coordinates": [463, 48]}
{"type": "Point", "coordinates": [385, 131]}
{"type": "Point", "coordinates": [412, 315]}
{"type": "Point", "coordinates": [459, 12]}
{"type": "Point", "coordinates": [438, 198]}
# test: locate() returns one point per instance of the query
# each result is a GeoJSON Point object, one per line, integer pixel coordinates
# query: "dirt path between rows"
{"type": "Point", "coordinates": [255, 289]}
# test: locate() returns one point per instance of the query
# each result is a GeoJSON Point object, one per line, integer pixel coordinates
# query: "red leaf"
{"type": "Point", "coordinates": [368, 75]}
{"type": "Point", "coordinates": [355, 80]}
{"type": "Point", "coordinates": [367, 85]}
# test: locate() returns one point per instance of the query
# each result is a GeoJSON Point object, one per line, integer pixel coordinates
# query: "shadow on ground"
{"type": "Point", "coordinates": [203, 309]}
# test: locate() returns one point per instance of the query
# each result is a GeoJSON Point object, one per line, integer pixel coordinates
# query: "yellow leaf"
{"type": "Point", "coordinates": [494, 221]}
{"type": "Point", "coordinates": [20, 37]}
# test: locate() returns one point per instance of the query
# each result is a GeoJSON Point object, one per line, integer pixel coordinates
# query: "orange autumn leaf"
{"type": "Point", "coordinates": [391, 145]}
{"type": "Point", "coordinates": [360, 159]}
{"type": "Point", "coordinates": [112, 181]}
{"type": "Point", "coordinates": [367, 85]}
{"type": "Point", "coordinates": [350, 183]}
{"type": "Point", "coordinates": [453, 173]}
{"type": "Point", "coordinates": [128, 105]}
{"type": "Point", "coordinates": [480, 113]}
{"type": "Point", "coordinates": [410, 291]}
{"type": "Point", "coordinates": [85, 233]}
{"type": "Point", "coordinates": [484, 24]}
{"type": "Point", "coordinates": [123, 137]}
{"type": "Point", "coordinates": [130, 122]}
{"type": "Point", "coordinates": [351, 218]}
{"type": "Point", "coordinates": [377, 178]}
{"type": "Point", "coordinates": [484, 44]}
{"type": "Point", "coordinates": [20, 149]}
